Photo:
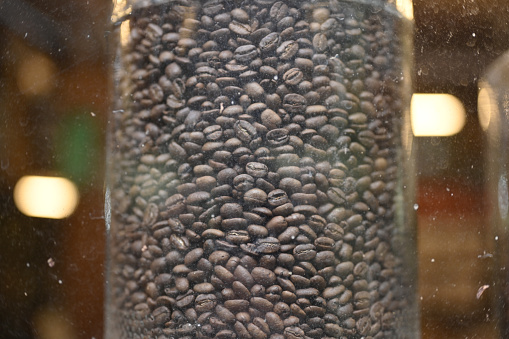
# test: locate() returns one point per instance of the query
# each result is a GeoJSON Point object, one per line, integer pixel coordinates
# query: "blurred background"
{"type": "Point", "coordinates": [54, 71]}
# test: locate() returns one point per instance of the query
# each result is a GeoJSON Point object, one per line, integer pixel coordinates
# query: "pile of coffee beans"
{"type": "Point", "coordinates": [255, 154]}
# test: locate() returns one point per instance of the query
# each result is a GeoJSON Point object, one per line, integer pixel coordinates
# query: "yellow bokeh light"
{"type": "Point", "coordinates": [46, 197]}
{"type": "Point", "coordinates": [36, 75]}
{"type": "Point", "coordinates": [486, 107]}
{"type": "Point", "coordinates": [125, 31]}
{"type": "Point", "coordinates": [437, 114]}
{"type": "Point", "coordinates": [406, 8]}
{"type": "Point", "coordinates": [121, 9]}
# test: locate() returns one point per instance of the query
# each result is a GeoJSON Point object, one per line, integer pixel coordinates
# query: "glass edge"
{"type": "Point", "coordinates": [400, 8]}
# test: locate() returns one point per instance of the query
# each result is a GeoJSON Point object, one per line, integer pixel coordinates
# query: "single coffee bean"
{"type": "Point", "coordinates": [236, 305]}
{"type": "Point", "coordinates": [261, 304]}
{"type": "Point", "coordinates": [253, 330]}
{"type": "Point", "coordinates": [239, 15]}
{"type": "Point", "coordinates": [304, 252]}
{"type": "Point", "coordinates": [277, 197]}
{"type": "Point", "coordinates": [241, 330]}
{"type": "Point", "coordinates": [290, 185]}
{"type": "Point", "coordinates": [238, 237]}
{"type": "Point", "coordinates": [243, 182]}
{"type": "Point", "coordinates": [245, 53]}
{"type": "Point", "coordinates": [267, 245]}
{"type": "Point", "coordinates": [294, 103]}
{"type": "Point", "coordinates": [233, 223]}
{"type": "Point", "coordinates": [294, 332]}
{"type": "Point", "coordinates": [223, 274]}
{"type": "Point", "coordinates": [270, 119]}
{"type": "Point", "coordinates": [287, 50]}
{"type": "Point", "coordinates": [269, 43]}
{"type": "Point", "coordinates": [231, 210]}
{"type": "Point", "coordinates": [293, 77]}
{"type": "Point", "coordinates": [255, 197]}
{"type": "Point", "coordinates": [284, 210]}
{"type": "Point", "coordinates": [263, 276]}
{"type": "Point", "coordinates": [242, 275]}
{"type": "Point", "coordinates": [256, 169]}
{"type": "Point", "coordinates": [320, 42]}
{"type": "Point", "coordinates": [242, 29]}
{"type": "Point", "coordinates": [274, 322]}
{"type": "Point", "coordinates": [244, 131]}
{"type": "Point", "coordinates": [278, 10]}
{"type": "Point", "coordinates": [277, 137]}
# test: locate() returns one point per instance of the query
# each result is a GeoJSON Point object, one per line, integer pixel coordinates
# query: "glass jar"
{"type": "Point", "coordinates": [493, 117]}
{"type": "Point", "coordinates": [261, 175]}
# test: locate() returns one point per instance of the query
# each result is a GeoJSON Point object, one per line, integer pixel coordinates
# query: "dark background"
{"type": "Point", "coordinates": [54, 123]}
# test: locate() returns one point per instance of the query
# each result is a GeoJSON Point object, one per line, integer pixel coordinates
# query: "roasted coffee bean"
{"type": "Point", "coordinates": [304, 252]}
{"type": "Point", "coordinates": [287, 50]}
{"type": "Point", "coordinates": [294, 103]}
{"type": "Point", "coordinates": [270, 119]}
{"type": "Point", "coordinates": [205, 302]}
{"type": "Point", "coordinates": [257, 231]}
{"type": "Point", "coordinates": [242, 275]}
{"type": "Point", "coordinates": [267, 245]}
{"type": "Point", "coordinates": [269, 43]}
{"type": "Point", "coordinates": [277, 225]}
{"type": "Point", "coordinates": [284, 210]}
{"type": "Point", "coordinates": [223, 274]}
{"type": "Point", "coordinates": [242, 29]}
{"type": "Point", "coordinates": [290, 185]}
{"type": "Point", "coordinates": [277, 197]}
{"type": "Point", "coordinates": [233, 223]}
{"type": "Point", "coordinates": [277, 137]}
{"type": "Point", "coordinates": [294, 333]}
{"type": "Point", "coordinates": [231, 210]}
{"type": "Point", "coordinates": [245, 53]}
{"type": "Point", "coordinates": [256, 169]}
{"type": "Point", "coordinates": [255, 197]}
{"type": "Point", "coordinates": [212, 234]}
{"type": "Point", "coordinates": [240, 290]}
{"type": "Point", "coordinates": [324, 243]}
{"type": "Point", "coordinates": [243, 182]}
{"type": "Point", "coordinates": [245, 131]}
{"type": "Point", "coordinates": [288, 235]}
{"type": "Point", "coordinates": [293, 77]}
{"type": "Point", "coordinates": [320, 42]}
{"type": "Point", "coordinates": [236, 305]}
{"type": "Point", "coordinates": [238, 237]}
{"type": "Point", "coordinates": [261, 304]}
{"type": "Point", "coordinates": [263, 276]}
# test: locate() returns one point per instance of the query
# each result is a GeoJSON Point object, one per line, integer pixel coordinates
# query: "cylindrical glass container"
{"type": "Point", "coordinates": [494, 119]}
{"type": "Point", "coordinates": [260, 179]}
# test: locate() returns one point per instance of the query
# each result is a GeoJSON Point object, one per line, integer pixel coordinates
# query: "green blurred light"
{"type": "Point", "coordinates": [78, 142]}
